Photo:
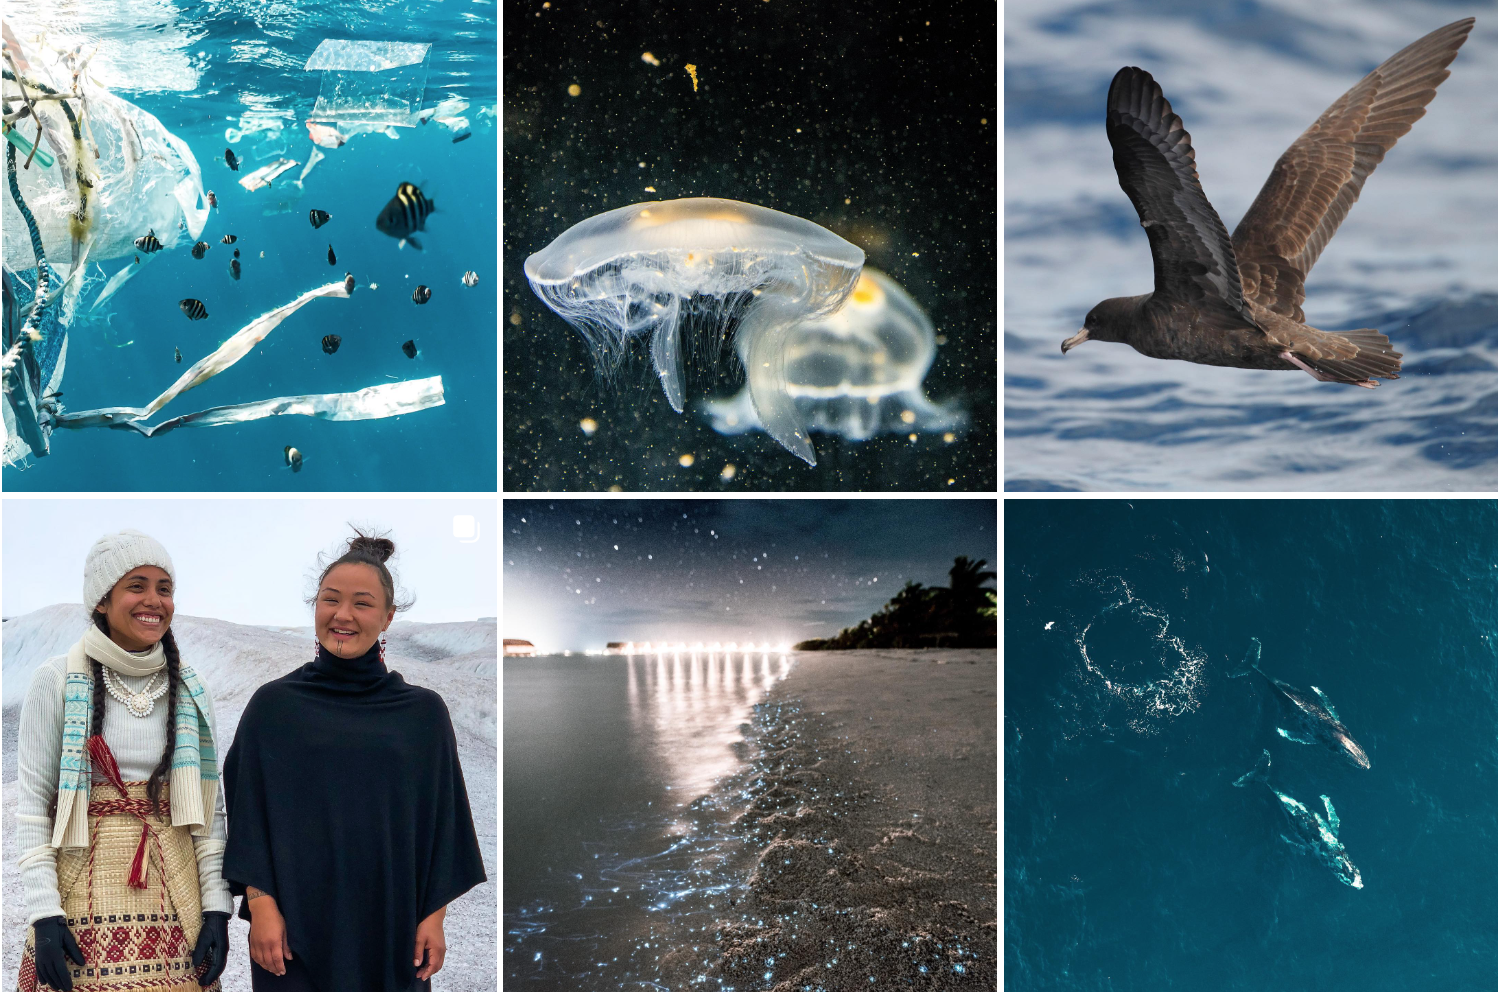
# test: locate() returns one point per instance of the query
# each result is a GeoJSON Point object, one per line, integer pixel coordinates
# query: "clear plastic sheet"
{"type": "Point", "coordinates": [370, 82]}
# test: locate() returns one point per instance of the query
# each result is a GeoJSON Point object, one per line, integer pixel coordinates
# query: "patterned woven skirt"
{"type": "Point", "coordinates": [132, 939]}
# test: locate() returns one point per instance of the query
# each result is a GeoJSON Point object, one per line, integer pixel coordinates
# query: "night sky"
{"type": "Point", "coordinates": [579, 573]}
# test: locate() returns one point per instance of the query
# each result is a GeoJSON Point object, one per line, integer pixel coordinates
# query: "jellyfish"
{"type": "Point", "coordinates": [683, 272]}
{"type": "Point", "coordinates": [856, 372]}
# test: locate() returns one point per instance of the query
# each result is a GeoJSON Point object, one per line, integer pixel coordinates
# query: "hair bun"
{"type": "Point", "coordinates": [380, 548]}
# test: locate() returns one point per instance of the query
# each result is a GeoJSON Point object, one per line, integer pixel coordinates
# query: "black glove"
{"type": "Point", "coordinates": [213, 946]}
{"type": "Point", "coordinates": [53, 941]}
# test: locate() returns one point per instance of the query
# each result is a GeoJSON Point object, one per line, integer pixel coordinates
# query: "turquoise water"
{"type": "Point", "coordinates": [230, 76]}
{"type": "Point", "coordinates": [1131, 861]}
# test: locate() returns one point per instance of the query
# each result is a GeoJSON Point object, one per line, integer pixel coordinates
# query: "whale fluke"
{"type": "Point", "coordinates": [1257, 774]}
{"type": "Point", "coordinates": [1252, 660]}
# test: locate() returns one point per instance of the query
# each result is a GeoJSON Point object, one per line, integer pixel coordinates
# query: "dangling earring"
{"type": "Point", "coordinates": [315, 649]}
{"type": "Point", "coordinates": [382, 648]}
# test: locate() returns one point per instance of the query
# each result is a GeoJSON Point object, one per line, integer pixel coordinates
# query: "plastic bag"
{"type": "Point", "coordinates": [370, 82]}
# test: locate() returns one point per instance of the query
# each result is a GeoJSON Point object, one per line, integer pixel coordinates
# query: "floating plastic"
{"type": "Point", "coordinates": [370, 82]}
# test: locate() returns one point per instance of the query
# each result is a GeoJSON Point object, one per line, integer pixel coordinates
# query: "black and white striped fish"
{"type": "Point", "coordinates": [421, 295]}
{"type": "Point", "coordinates": [293, 458]}
{"type": "Point", "coordinates": [193, 309]}
{"type": "Point", "coordinates": [230, 160]}
{"type": "Point", "coordinates": [228, 239]}
{"type": "Point", "coordinates": [331, 343]}
{"type": "Point", "coordinates": [148, 243]}
{"type": "Point", "coordinates": [318, 218]}
{"type": "Point", "coordinates": [200, 249]}
{"type": "Point", "coordinates": [407, 212]}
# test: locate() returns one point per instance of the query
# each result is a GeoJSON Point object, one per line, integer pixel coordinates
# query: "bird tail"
{"type": "Point", "coordinates": [1252, 658]}
{"type": "Point", "coordinates": [1375, 359]}
{"type": "Point", "coordinates": [1260, 773]}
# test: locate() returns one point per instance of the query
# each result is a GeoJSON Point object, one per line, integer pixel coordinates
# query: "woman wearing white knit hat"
{"type": "Point", "coordinates": [119, 825]}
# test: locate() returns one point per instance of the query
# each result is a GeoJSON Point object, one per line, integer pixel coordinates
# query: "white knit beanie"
{"type": "Point", "coordinates": [113, 556]}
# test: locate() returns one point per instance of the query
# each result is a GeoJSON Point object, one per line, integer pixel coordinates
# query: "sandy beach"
{"type": "Point", "coordinates": [876, 802]}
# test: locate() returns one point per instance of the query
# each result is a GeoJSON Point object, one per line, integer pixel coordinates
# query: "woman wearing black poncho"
{"type": "Point", "coordinates": [349, 824]}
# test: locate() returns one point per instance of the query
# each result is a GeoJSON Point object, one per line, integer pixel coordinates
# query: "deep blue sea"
{"type": "Point", "coordinates": [229, 76]}
{"type": "Point", "coordinates": [1415, 258]}
{"type": "Point", "coordinates": [1131, 860]}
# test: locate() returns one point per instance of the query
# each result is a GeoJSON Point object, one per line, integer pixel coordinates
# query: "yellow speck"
{"type": "Point", "coordinates": [984, 120]}
{"type": "Point", "coordinates": [866, 291]}
{"type": "Point", "coordinates": [847, 201]}
{"type": "Point", "coordinates": [649, 189]}
{"type": "Point", "coordinates": [515, 319]}
{"type": "Point", "coordinates": [727, 472]}
{"type": "Point", "coordinates": [574, 89]}
{"type": "Point", "coordinates": [916, 254]}
{"type": "Point", "coordinates": [588, 425]}
{"type": "Point", "coordinates": [908, 417]}
{"type": "Point", "coordinates": [949, 438]}
{"type": "Point", "coordinates": [692, 70]}
{"type": "Point", "coordinates": [950, 482]}
{"type": "Point", "coordinates": [941, 339]}
{"type": "Point", "coordinates": [641, 164]}
{"type": "Point", "coordinates": [547, 5]}
{"type": "Point", "coordinates": [799, 130]}
{"type": "Point", "coordinates": [912, 438]}
{"type": "Point", "coordinates": [616, 488]}
{"type": "Point", "coordinates": [686, 461]}
{"type": "Point", "coordinates": [650, 59]}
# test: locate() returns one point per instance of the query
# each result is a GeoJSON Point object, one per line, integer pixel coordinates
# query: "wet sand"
{"type": "Point", "coordinates": [876, 799]}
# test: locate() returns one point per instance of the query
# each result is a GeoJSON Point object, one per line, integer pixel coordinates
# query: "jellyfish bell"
{"type": "Point", "coordinates": [677, 268]}
{"type": "Point", "coordinates": [856, 372]}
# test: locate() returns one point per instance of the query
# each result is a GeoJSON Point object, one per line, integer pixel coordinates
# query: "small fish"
{"type": "Point", "coordinates": [213, 201]}
{"type": "Point", "coordinates": [262, 254]}
{"type": "Point", "coordinates": [236, 253]}
{"type": "Point", "coordinates": [228, 239]}
{"type": "Point", "coordinates": [234, 269]}
{"type": "Point", "coordinates": [421, 295]}
{"type": "Point", "coordinates": [331, 343]}
{"type": "Point", "coordinates": [349, 283]}
{"type": "Point", "coordinates": [193, 309]}
{"type": "Point", "coordinates": [138, 260]}
{"type": "Point", "coordinates": [406, 212]}
{"type": "Point", "coordinates": [319, 218]}
{"type": "Point", "coordinates": [230, 160]}
{"type": "Point", "coordinates": [471, 279]}
{"type": "Point", "coordinates": [409, 349]}
{"type": "Point", "coordinates": [148, 243]}
{"type": "Point", "coordinates": [332, 258]}
{"type": "Point", "coordinates": [177, 355]}
{"type": "Point", "coordinates": [200, 249]}
{"type": "Point", "coordinates": [293, 458]}
{"type": "Point", "coordinates": [462, 137]}
{"type": "Point", "coordinates": [325, 136]}
{"type": "Point", "coordinates": [374, 285]}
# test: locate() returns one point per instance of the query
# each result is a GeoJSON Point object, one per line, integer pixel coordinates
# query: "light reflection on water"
{"type": "Point", "coordinates": [619, 792]}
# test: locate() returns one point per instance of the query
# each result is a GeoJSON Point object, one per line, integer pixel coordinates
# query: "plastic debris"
{"type": "Point", "coordinates": [266, 173]}
{"type": "Point", "coordinates": [370, 82]}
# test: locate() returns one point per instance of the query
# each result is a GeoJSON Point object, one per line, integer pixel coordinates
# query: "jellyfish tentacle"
{"type": "Point", "coordinates": [666, 355]}
{"type": "Point", "coordinates": [765, 330]}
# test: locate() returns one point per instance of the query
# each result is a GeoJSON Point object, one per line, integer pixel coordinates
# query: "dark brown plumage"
{"type": "Point", "coordinates": [1238, 301]}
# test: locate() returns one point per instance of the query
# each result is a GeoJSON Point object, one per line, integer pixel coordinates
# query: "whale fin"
{"type": "Point", "coordinates": [1258, 773]}
{"type": "Point", "coordinates": [1291, 736]}
{"type": "Point", "coordinates": [1333, 816]}
{"type": "Point", "coordinates": [1327, 705]}
{"type": "Point", "coordinates": [1252, 659]}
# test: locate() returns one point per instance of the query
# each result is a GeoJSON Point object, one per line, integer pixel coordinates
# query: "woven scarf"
{"type": "Point", "coordinates": [194, 783]}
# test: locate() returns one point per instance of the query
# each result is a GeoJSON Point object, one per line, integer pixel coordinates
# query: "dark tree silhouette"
{"type": "Point", "coordinates": [962, 615]}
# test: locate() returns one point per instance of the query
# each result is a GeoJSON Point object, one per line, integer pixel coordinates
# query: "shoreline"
{"type": "Point", "coordinates": [875, 798]}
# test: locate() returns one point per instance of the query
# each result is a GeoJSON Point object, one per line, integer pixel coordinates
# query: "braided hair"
{"type": "Point", "coordinates": [174, 663]}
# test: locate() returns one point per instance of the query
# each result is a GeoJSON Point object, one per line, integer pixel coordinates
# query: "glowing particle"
{"type": "Point", "coordinates": [650, 189]}
{"type": "Point", "coordinates": [951, 481]}
{"type": "Point", "coordinates": [588, 425]}
{"type": "Point", "coordinates": [912, 438]}
{"type": "Point", "coordinates": [574, 89]}
{"type": "Point", "coordinates": [650, 59]}
{"type": "Point", "coordinates": [949, 437]}
{"type": "Point", "coordinates": [692, 70]}
{"type": "Point", "coordinates": [908, 417]}
{"type": "Point", "coordinates": [515, 319]}
{"type": "Point", "coordinates": [686, 461]}
{"type": "Point", "coordinates": [984, 120]}
{"type": "Point", "coordinates": [727, 472]}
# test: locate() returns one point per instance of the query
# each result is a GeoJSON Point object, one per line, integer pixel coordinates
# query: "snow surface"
{"type": "Point", "coordinates": [456, 660]}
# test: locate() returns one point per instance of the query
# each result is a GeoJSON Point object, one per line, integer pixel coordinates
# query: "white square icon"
{"type": "Point", "coordinates": [465, 528]}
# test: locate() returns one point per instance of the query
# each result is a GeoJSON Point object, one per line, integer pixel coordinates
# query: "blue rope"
{"type": "Point", "coordinates": [43, 277]}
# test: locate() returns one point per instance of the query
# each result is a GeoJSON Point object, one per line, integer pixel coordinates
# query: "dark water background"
{"type": "Point", "coordinates": [1131, 861]}
{"type": "Point", "coordinates": [618, 779]}
{"type": "Point", "coordinates": [895, 152]}
{"type": "Point", "coordinates": [1415, 258]}
{"type": "Point", "coordinates": [203, 70]}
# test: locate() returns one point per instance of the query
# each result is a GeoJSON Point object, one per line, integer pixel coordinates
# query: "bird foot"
{"type": "Point", "coordinates": [1325, 377]}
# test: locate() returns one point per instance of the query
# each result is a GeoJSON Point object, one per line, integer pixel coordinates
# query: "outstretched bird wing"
{"type": "Point", "coordinates": [1317, 180]}
{"type": "Point", "coordinates": [1190, 249]}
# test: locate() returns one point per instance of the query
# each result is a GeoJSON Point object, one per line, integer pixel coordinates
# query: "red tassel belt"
{"type": "Point", "coordinates": [103, 761]}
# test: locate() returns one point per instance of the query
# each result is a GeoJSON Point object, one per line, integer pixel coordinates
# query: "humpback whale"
{"type": "Point", "coordinates": [1318, 720]}
{"type": "Point", "coordinates": [1317, 835]}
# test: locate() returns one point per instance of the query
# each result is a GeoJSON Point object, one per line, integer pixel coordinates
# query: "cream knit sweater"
{"type": "Point", "coordinates": [137, 743]}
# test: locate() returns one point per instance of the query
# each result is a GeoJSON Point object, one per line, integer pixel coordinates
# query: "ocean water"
{"type": "Point", "coordinates": [876, 121]}
{"type": "Point", "coordinates": [1131, 860]}
{"type": "Point", "coordinates": [230, 75]}
{"type": "Point", "coordinates": [1415, 258]}
{"type": "Point", "coordinates": [620, 777]}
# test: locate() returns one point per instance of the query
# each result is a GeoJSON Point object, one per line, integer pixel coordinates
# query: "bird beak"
{"type": "Point", "coordinates": [1076, 340]}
